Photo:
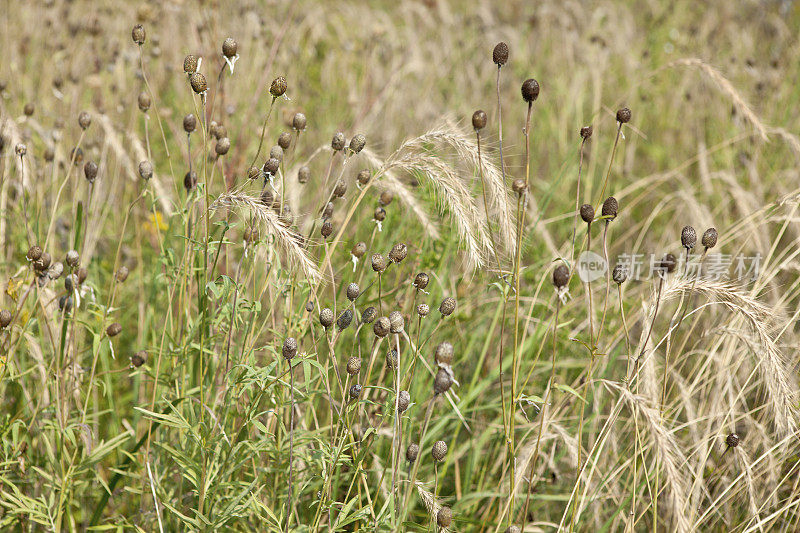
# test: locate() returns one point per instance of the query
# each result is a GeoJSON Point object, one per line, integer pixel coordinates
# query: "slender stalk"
{"type": "Point", "coordinates": [263, 131]}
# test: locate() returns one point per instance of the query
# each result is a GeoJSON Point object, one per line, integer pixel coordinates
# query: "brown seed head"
{"type": "Point", "coordinates": [253, 173]}
{"type": "Point", "coordinates": [398, 252]}
{"type": "Point", "coordinates": [271, 166]}
{"type": "Point", "coordinates": [84, 120]}
{"type": "Point", "coordinates": [439, 451]}
{"type": "Point", "coordinates": [145, 170]}
{"type": "Point", "coordinates": [20, 149]}
{"type": "Point", "coordinates": [623, 115]}
{"type": "Point", "coordinates": [34, 253]}
{"type": "Point", "coordinates": [189, 123]}
{"type": "Point", "coordinates": [363, 177]}
{"type": "Point", "coordinates": [368, 315]}
{"type": "Point", "coordinates": [500, 54]}
{"type": "Point", "coordinates": [382, 327]}
{"type": "Point", "coordinates": [620, 274]}
{"type": "Point", "coordinates": [299, 121]}
{"type": "Point", "coordinates": [732, 440]}
{"type": "Point", "coordinates": [378, 263]}
{"type": "Point", "coordinates": [327, 229]}
{"type": "Point", "coordinates": [138, 34]}
{"type": "Point", "coordinates": [423, 310]}
{"type": "Point", "coordinates": [709, 239]}
{"type": "Point", "coordinates": [337, 143]}
{"type": "Point", "coordinates": [359, 249]}
{"type": "Point", "coordinates": [122, 274]}
{"type": "Point", "coordinates": [412, 452]}
{"type": "Point", "coordinates": [561, 276]}
{"type": "Point", "coordinates": [444, 353]}
{"type": "Point", "coordinates": [479, 119]}
{"type": "Point", "coordinates": [587, 213]}
{"type": "Point", "coordinates": [396, 321]}
{"type": "Point", "coordinates": [586, 132]}
{"type": "Point", "coordinates": [386, 198]}
{"type": "Point", "coordinates": [667, 264]}
{"type": "Point", "coordinates": [303, 174]}
{"type": "Point", "coordinates": [344, 320]}
{"type": "Point", "coordinates": [326, 317]}
{"type": "Point", "coordinates": [610, 208]}
{"type": "Point", "coordinates": [285, 140]}
{"type": "Point", "coordinates": [190, 64]}
{"type": "Point", "coordinates": [114, 329]}
{"type": "Point", "coordinates": [519, 186]}
{"type": "Point", "coordinates": [357, 143]}
{"type": "Point", "coordinates": [222, 147]}
{"type": "Point", "coordinates": [43, 263]}
{"type": "Point", "coordinates": [442, 382]}
{"type": "Point", "coordinates": [340, 189]}
{"type": "Point", "coordinates": [421, 281]}
{"type": "Point", "coordinates": [530, 90]}
{"type": "Point", "coordinates": [72, 258]}
{"type": "Point", "coordinates": [229, 47]}
{"type": "Point", "coordinates": [190, 180]}
{"type": "Point", "coordinates": [289, 348]}
{"type": "Point", "coordinates": [139, 358]}
{"type": "Point", "coordinates": [143, 101]}
{"type": "Point", "coordinates": [444, 517]}
{"type": "Point", "coordinates": [29, 109]}
{"type": "Point", "coordinates": [5, 318]}
{"type": "Point", "coordinates": [513, 529]}
{"type": "Point", "coordinates": [354, 365]}
{"type": "Point", "coordinates": [90, 171]}
{"type": "Point", "coordinates": [447, 306]}
{"type": "Point", "coordinates": [198, 82]}
{"type": "Point", "coordinates": [353, 290]}
{"type": "Point", "coordinates": [403, 401]}
{"type": "Point", "coordinates": [391, 359]}
{"type": "Point", "coordinates": [278, 87]}
{"type": "Point", "coordinates": [688, 237]}
{"type": "Point", "coordinates": [355, 391]}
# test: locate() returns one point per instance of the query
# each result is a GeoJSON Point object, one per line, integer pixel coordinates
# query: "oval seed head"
{"type": "Point", "coordinates": [253, 173]}
{"type": "Point", "coordinates": [363, 177]}
{"type": "Point", "coordinates": [299, 121]}
{"type": "Point", "coordinates": [623, 115]}
{"type": "Point", "coordinates": [190, 64]}
{"type": "Point", "coordinates": [442, 382]}
{"type": "Point", "coordinates": [70, 282]}
{"type": "Point", "coordinates": [190, 180]}
{"type": "Point", "coordinates": [359, 249]}
{"type": "Point", "coordinates": [138, 359]}
{"type": "Point", "coordinates": [337, 143]}
{"type": "Point", "coordinates": [403, 401]}
{"type": "Point", "coordinates": [285, 140]}
{"type": "Point", "coordinates": [339, 189]}
{"type": "Point", "coordinates": [43, 263]}
{"type": "Point", "coordinates": [688, 237]}
{"type": "Point", "coordinates": [439, 451]}
{"type": "Point", "coordinates": [145, 170]}
{"type": "Point", "coordinates": [354, 365]}
{"type": "Point", "coordinates": [327, 229]}
{"type": "Point", "coordinates": [198, 82]}
{"type": "Point", "coordinates": [444, 517]}
{"type": "Point", "coordinates": [530, 90]}
{"type": "Point", "coordinates": [382, 327]}
{"type": "Point", "coordinates": [327, 211]}
{"type": "Point", "coordinates": [423, 310]}
{"type": "Point", "coordinates": [447, 306]}
{"type": "Point", "coordinates": [229, 47]}
{"type": "Point", "coordinates": [396, 321]}
{"type": "Point", "coordinates": [76, 154]}
{"type": "Point", "coordinates": [55, 270]}
{"type": "Point", "coordinates": [20, 149]}
{"type": "Point", "coordinates": [479, 119]}
{"type": "Point", "coordinates": [587, 213]}
{"type": "Point", "coordinates": [326, 317]}
{"type": "Point", "coordinates": [72, 258]}
{"type": "Point", "coordinates": [122, 274]}
{"type": "Point", "coordinates": [519, 186]}
{"type": "Point", "coordinates": [610, 208]}
{"type": "Point", "coordinates": [189, 123]}
{"type": "Point", "coordinates": [386, 198]}
{"type": "Point", "coordinates": [222, 147]}
{"type": "Point", "coordinates": [5, 318]}
{"type": "Point", "coordinates": [421, 281]}
{"type": "Point", "coordinates": [355, 391]}
{"type": "Point", "coordinates": [289, 349]}
{"type": "Point", "coordinates": [586, 132]}
{"type": "Point", "coordinates": [143, 101]}
{"type": "Point", "coordinates": [398, 253]}
{"type": "Point", "coordinates": [378, 263]}
{"type": "Point", "coordinates": [391, 359]}
{"type": "Point", "coordinates": [65, 303]}
{"type": "Point", "coordinates": [220, 131]}
{"type": "Point", "coordinates": [732, 440]}
{"type": "Point", "coordinates": [353, 290]}
{"type": "Point", "coordinates": [368, 315]}
{"type": "Point", "coordinates": [84, 120]}
{"type": "Point", "coordinates": [28, 109]}
{"type": "Point", "coordinates": [114, 329]}
{"type": "Point", "coordinates": [344, 320]}
{"type": "Point", "coordinates": [620, 274]}
{"type": "Point", "coordinates": [138, 34]}
{"type": "Point", "coordinates": [709, 239]}
{"type": "Point", "coordinates": [412, 452]}
{"type": "Point", "coordinates": [560, 276]}
{"type": "Point", "coordinates": [513, 529]}
{"type": "Point", "coordinates": [357, 143]}
{"type": "Point", "coordinates": [444, 353]}
{"type": "Point", "coordinates": [500, 54]}
{"type": "Point", "coordinates": [34, 253]}
{"type": "Point", "coordinates": [271, 166]}
{"type": "Point", "coordinates": [82, 275]}
{"type": "Point", "coordinates": [278, 87]}
{"type": "Point", "coordinates": [90, 171]}
{"type": "Point", "coordinates": [668, 264]}
{"type": "Point", "coordinates": [309, 306]}
{"type": "Point", "coordinates": [303, 174]}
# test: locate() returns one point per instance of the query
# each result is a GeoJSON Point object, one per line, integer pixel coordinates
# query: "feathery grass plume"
{"type": "Point", "coordinates": [287, 240]}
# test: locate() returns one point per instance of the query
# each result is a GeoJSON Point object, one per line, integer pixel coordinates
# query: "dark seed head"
{"type": "Point", "coordinates": [72, 258]}
{"type": "Point", "coordinates": [34, 253]}
{"type": "Point", "coordinates": [353, 290]}
{"type": "Point", "coordinates": [190, 64]}
{"type": "Point", "coordinates": [610, 208]}
{"type": "Point", "coordinates": [368, 315]}
{"type": "Point", "coordinates": [667, 264]}
{"type": "Point", "coordinates": [344, 320]}
{"type": "Point", "coordinates": [439, 451]}
{"type": "Point", "coordinates": [479, 119]}
{"type": "Point", "coordinates": [354, 365]}
{"type": "Point", "coordinates": [138, 34]}
{"type": "Point", "coordinates": [190, 180]}
{"type": "Point", "coordinates": [357, 143]}
{"type": "Point", "coordinates": [623, 115]}
{"type": "Point", "coordinates": [20, 149]}
{"type": "Point", "coordinates": [5, 318]}
{"type": "Point", "coordinates": [278, 87]}
{"type": "Point", "coordinates": [122, 274]}
{"type": "Point", "coordinates": [271, 166]}
{"type": "Point", "coordinates": [421, 280]}
{"type": "Point", "coordinates": [309, 306]}
{"type": "Point", "coordinates": [143, 101]}
{"type": "Point", "coordinates": [198, 82]}
{"type": "Point", "coordinates": [382, 327]}
{"type": "Point", "coordinates": [391, 359]}
{"type": "Point", "coordinates": [289, 349]}
{"type": "Point", "coordinates": [139, 358]}
{"type": "Point", "coordinates": [709, 239]}
{"type": "Point", "coordinates": [447, 306]}
{"type": "Point", "coordinates": [444, 517]}
{"type": "Point", "coordinates": [396, 321]}
{"type": "Point", "coordinates": [688, 237]}
{"type": "Point", "coordinates": [299, 121]}
{"type": "Point", "coordinates": [423, 310]}
{"type": "Point", "coordinates": [519, 186]}
{"type": "Point", "coordinates": [340, 189]}
{"type": "Point", "coordinates": [363, 177]}
{"type": "Point", "coordinates": [359, 249]}
{"type": "Point", "coordinates": [355, 391]}
{"type": "Point", "coordinates": [412, 452]}
{"type": "Point", "coordinates": [561, 276]}
{"type": "Point", "coordinates": [326, 318]}
{"type": "Point", "coordinates": [442, 382]}
{"type": "Point", "coordinates": [513, 529]}
{"type": "Point", "coordinates": [114, 329]}
{"type": "Point", "coordinates": [223, 145]}
{"type": "Point", "coordinates": [398, 253]}
{"type": "Point", "coordinates": [253, 173]}
{"type": "Point", "coordinates": [530, 90]}
{"type": "Point", "coordinates": [304, 174]}
{"type": "Point", "coordinates": [378, 263]}
{"type": "Point", "coordinates": [229, 47]}
{"type": "Point", "coordinates": [386, 198]}
{"type": "Point", "coordinates": [65, 303]}
{"type": "Point", "coordinates": [43, 263]}
{"type": "Point", "coordinates": [403, 401]}
{"type": "Point", "coordinates": [90, 171]}
{"type": "Point", "coordinates": [285, 140]}
{"type": "Point", "coordinates": [29, 109]}
{"type": "Point", "coordinates": [587, 213]}
{"type": "Point", "coordinates": [189, 123]}
{"type": "Point", "coordinates": [84, 120]}
{"type": "Point", "coordinates": [145, 170]}
{"type": "Point", "coordinates": [586, 132]}
{"type": "Point", "coordinates": [620, 274]}
{"type": "Point", "coordinates": [82, 274]}
{"type": "Point", "coordinates": [732, 440]}
{"type": "Point", "coordinates": [444, 353]}
{"type": "Point", "coordinates": [337, 143]}
{"type": "Point", "coordinates": [500, 54]}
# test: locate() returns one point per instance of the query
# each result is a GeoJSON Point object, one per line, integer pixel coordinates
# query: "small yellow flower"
{"type": "Point", "coordinates": [155, 222]}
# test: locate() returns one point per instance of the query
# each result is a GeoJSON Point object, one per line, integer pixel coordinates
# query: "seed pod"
{"type": "Point", "coordinates": [28, 109]}
{"type": "Point", "coordinates": [447, 306]}
{"type": "Point", "coordinates": [423, 310]}
{"type": "Point", "coordinates": [34, 253]}
{"type": "Point", "coordinates": [139, 358]}
{"type": "Point", "coordinates": [519, 186]}
{"type": "Point", "coordinates": [382, 327]}
{"type": "Point", "coordinates": [412, 452]}
{"type": "Point", "coordinates": [667, 264]}
{"type": "Point", "coordinates": [620, 274]}
{"type": "Point", "coordinates": [198, 82]}
{"type": "Point", "coordinates": [353, 290]}
{"type": "Point", "coordinates": [587, 213]}
{"type": "Point", "coordinates": [278, 87]}
{"type": "Point", "coordinates": [285, 140]}
{"type": "Point", "coordinates": [43, 263]}
{"type": "Point", "coordinates": [513, 529]}
{"type": "Point", "coordinates": [271, 166]}
{"type": "Point", "coordinates": [84, 120]}
{"type": "Point", "coordinates": [732, 440]}
{"type": "Point", "coordinates": [378, 263]}
{"type": "Point", "coordinates": [354, 365]}
{"type": "Point", "coordinates": [586, 132]}
{"type": "Point", "coordinates": [530, 90]}
{"type": "Point", "coordinates": [70, 282]}
{"type": "Point", "coordinates": [229, 47]}
{"type": "Point", "coordinates": [340, 189]}
{"type": "Point", "coordinates": [327, 229]}
{"type": "Point", "coordinates": [500, 54]}
{"type": "Point", "coordinates": [442, 382]}
{"type": "Point", "coordinates": [326, 318]}
{"type": "Point", "coordinates": [398, 253]}
{"type": "Point", "coordinates": [222, 147]}
{"type": "Point", "coordinates": [190, 64]}
{"type": "Point", "coordinates": [386, 198]}
{"type": "Point", "coordinates": [145, 170]}
{"type": "Point", "coordinates": [688, 237]}
{"type": "Point", "coordinates": [357, 143]}
{"type": "Point", "coordinates": [114, 329]}
{"type": "Point", "coordinates": [65, 303]}
{"type": "Point", "coordinates": [138, 34]}
{"type": "Point", "coordinates": [709, 239]}
{"type": "Point", "coordinates": [299, 121]}
{"type": "Point", "coordinates": [379, 214]}
{"type": "Point", "coordinates": [344, 320]}
{"type": "Point", "coordinates": [82, 275]}
{"type": "Point", "coordinates": [55, 270]}
{"type": "Point", "coordinates": [444, 353]}
{"type": "Point", "coordinates": [479, 119]}
{"type": "Point", "coordinates": [189, 123]}
{"type": "Point", "coordinates": [421, 281]}
{"type": "Point", "coordinates": [355, 391]}
{"type": "Point", "coordinates": [212, 128]}
{"type": "Point", "coordinates": [439, 451]}
{"type": "Point", "coordinates": [122, 274]}
{"type": "Point", "coordinates": [337, 143]}
{"type": "Point", "coordinates": [190, 180]}
{"type": "Point", "coordinates": [391, 359]}
{"type": "Point", "coordinates": [20, 149]}
{"type": "Point", "coordinates": [289, 348]}
{"type": "Point", "coordinates": [560, 276]}
{"type": "Point", "coordinates": [444, 517]}
{"type": "Point", "coordinates": [623, 115]}
{"type": "Point", "coordinates": [220, 131]}
{"type": "Point", "coordinates": [396, 321]}
{"type": "Point", "coordinates": [5, 318]}
{"type": "Point", "coordinates": [359, 249]}
{"type": "Point", "coordinates": [90, 171]}
{"type": "Point", "coordinates": [49, 154]}
{"type": "Point", "coordinates": [363, 177]}
{"type": "Point", "coordinates": [143, 101]}
{"type": "Point", "coordinates": [327, 211]}
{"type": "Point", "coordinates": [309, 306]}
{"type": "Point", "coordinates": [403, 401]}
{"type": "Point", "coordinates": [76, 155]}
{"type": "Point", "coordinates": [303, 174]}
{"type": "Point", "coordinates": [253, 173]}
{"type": "Point", "coordinates": [610, 208]}
{"type": "Point", "coordinates": [72, 258]}
{"type": "Point", "coordinates": [368, 315]}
